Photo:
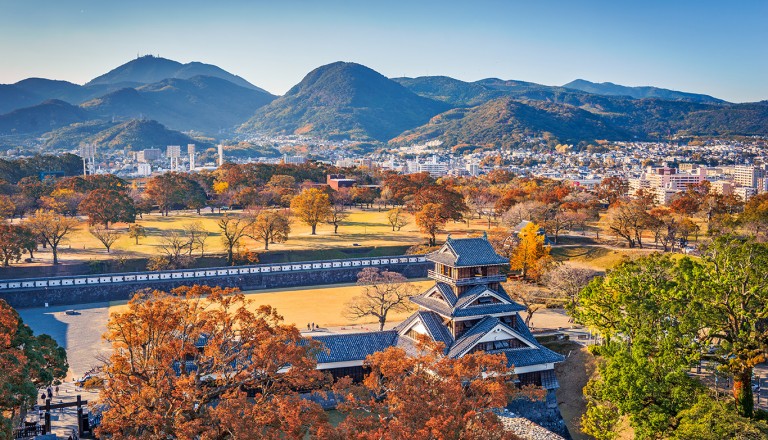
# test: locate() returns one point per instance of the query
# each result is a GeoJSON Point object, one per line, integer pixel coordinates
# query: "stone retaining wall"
{"type": "Point", "coordinates": [83, 294]}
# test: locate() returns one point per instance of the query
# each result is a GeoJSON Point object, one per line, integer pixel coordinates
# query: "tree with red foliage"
{"type": "Point", "coordinates": [107, 206]}
{"type": "Point", "coordinates": [612, 189]}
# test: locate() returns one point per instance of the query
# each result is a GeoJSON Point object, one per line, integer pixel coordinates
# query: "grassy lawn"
{"type": "Point", "coordinates": [322, 305]}
{"type": "Point", "coordinates": [599, 258]}
{"type": "Point", "coordinates": [364, 228]}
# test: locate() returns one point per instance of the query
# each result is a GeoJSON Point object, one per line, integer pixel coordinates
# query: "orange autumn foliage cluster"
{"type": "Point", "coordinates": [428, 396]}
{"type": "Point", "coordinates": [241, 384]}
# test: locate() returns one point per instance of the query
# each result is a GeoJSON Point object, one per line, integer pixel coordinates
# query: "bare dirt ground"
{"type": "Point", "coordinates": [573, 375]}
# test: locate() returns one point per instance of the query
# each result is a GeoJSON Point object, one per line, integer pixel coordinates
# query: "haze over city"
{"type": "Point", "coordinates": [704, 47]}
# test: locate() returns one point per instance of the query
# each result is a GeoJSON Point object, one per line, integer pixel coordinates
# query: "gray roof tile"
{"type": "Point", "coordinates": [523, 357]}
{"type": "Point", "coordinates": [471, 336]}
{"type": "Point", "coordinates": [467, 252]}
{"type": "Point", "coordinates": [486, 309]}
{"type": "Point", "coordinates": [353, 346]}
{"type": "Point", "coordinates": [549, 380]}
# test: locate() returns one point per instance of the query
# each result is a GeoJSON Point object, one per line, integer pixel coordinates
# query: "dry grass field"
{"type": "Point", "coordinates": [362, 228]}
{"type": "Point", "coordinates": [322, 305]}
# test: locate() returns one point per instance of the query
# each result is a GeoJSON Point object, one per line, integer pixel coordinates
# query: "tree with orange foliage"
{"type": "Point", "coordinates": [428, 396]}
{"type": "Point", "coordinates": [612, 189]}
{"type": "Point", "coordinates": [200, 363]}
{"type": "Point", "coordinates": [430, 219]}
{"type": "Point", "coordinates": [51, 228]}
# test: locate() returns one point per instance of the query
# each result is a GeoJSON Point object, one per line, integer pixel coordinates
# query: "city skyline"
{"type": "Point", "coordinates": [699, 47]}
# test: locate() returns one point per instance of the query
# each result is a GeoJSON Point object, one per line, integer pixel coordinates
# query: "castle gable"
{"type": "Point", "coordinates": [467, 252]}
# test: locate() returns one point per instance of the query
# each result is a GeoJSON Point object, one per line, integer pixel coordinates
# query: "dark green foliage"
{"type": "Point", "coordinates": [657, 315]}
{"type": "Point", "coordinates": [652, 118]}
{"type": "Point", "coordinates": [504, 122]}
{"type": "Point", "coordinates": [449, 90]}
{"type": "Point", "coordinates": [27, 363]}
{"type": "Point", "coordinates": [739, 119]}
{"type": "Point", "coordinates": [139, 134]}
{"type": "Point", "coordinates": [711, 419]}
{"type": "Point", "coordinates": [12, 171]}
{"type": "Point", "coordinates": [41, 118]}
{"type": "Point", "coordinates": [345, 101]}
{"type": "Point", "coordinates": [74, 134]}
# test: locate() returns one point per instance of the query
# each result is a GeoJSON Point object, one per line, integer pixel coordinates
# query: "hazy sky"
{"type": "Point", "coordinates": [714, 47]}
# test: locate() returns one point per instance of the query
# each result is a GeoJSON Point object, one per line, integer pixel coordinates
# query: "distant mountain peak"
{"type": "Point", "coordinates": [345, 100]}
{"type": "Point", "coordinates": [641, 92]}
{"type": "Point", "coordinates": [149, 69]}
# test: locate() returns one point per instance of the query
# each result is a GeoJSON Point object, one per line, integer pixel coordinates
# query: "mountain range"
{"type": "Point", "coordinates": [151, 101]}
{"type": "Point", "coordinates": [611, 89]}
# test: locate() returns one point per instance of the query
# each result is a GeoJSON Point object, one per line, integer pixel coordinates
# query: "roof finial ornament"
{"type": "Point", "coordinates": [485, 235]}
{"type": "Point", "coordinates": [448, 237]}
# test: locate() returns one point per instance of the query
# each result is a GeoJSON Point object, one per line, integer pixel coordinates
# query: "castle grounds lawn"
{"type": "Point", "coordinates": [363, 227]}
{"type": "Point", "coordinates": [322, 305]}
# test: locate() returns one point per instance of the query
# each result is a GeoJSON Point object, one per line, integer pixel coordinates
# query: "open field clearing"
{"type": "Point", "coordinates": [364, 228]}
{"type": "Point", "coordinates": [599, 258]}
{"type": "Point", "coordinates": [322, 305]}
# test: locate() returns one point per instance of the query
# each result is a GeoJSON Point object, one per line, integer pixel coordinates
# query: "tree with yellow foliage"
{"type": "Point", "coordinates": [312, 206]}
{"type": "Point", "coordinates": [531, 255]}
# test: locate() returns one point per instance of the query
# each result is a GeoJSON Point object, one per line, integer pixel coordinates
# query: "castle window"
{"type": "Point", "coordinates": [485, 300]}
{"type": "Point", "coordinates": [499, 345]}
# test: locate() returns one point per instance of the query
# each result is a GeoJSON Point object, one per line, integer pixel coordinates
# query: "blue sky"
{"type": "Point", "coordinates": [718, 48]}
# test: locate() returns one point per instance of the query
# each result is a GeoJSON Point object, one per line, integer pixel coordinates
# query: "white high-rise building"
{"type": "Point", "coordinates": [748, 176]}
{"type": "Point", "coordinates": [191, 152]}
{"type": "Point", "coordinates": [173, 152]}
{"type": "Point", "coordinates": [88, 154]}
{"type": "Point", "coordinates": [144, 169]}
{"type": "Point", "coordinates": [221, 154]}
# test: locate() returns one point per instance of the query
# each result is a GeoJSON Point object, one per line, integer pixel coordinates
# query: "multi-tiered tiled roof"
{"type": "Point", "coordinates": [465, 308]}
